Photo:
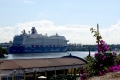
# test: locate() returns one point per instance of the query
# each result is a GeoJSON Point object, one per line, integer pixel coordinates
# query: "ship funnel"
{"type": "Point", "coordinates": [33, 30]}
{"type": "Point", "coordinates": [23, 32]}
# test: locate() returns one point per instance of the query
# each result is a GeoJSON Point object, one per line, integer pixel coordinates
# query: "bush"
{"type": "Point", "coordinates": [63, 77]}
{"type": "Point", "coordinates": [2, 52]}
{"type": "Point", "coordinates": [102, 62]}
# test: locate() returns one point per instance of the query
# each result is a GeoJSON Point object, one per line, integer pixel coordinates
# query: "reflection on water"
{"type": "Point", "coordinates": [47, 55]}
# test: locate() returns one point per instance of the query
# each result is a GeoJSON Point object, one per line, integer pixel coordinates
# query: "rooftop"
{"type": "Point", "coordinates": [42, 62]}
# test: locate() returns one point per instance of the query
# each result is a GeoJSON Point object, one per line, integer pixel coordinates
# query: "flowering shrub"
{"type": "Point", "coordinates": [103, 61]}
{"type": "Point", "coordinates": [82, 73]}
{"type": "Point", "coordinates": [102, 47]}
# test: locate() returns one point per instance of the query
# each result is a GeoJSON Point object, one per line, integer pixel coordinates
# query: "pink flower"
{"type": "Point", "coordinates": [83, 76]}
{"type": "Point", "coordinates": [99, 48]}
{"type": "Point", "coordinates": [106, 48]}
{"type": "Point", "coordinates": [100, 73]}
{"type": "Point", "coordinates": [114, 53]}
{"type": "Point", "coordinates": [101, 64]}
{"type": "Point", "coordinates": [108, 70]}
{"type": "Point", "coordinates": [104, 57]}
{"type": "Point", "coordinates": [96, 54]}
{"type": "Point", "coordinates": [102, 42]}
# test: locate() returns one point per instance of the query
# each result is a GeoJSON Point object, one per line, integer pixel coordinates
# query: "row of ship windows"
{"type": "Point", "coordinates": [17, 47]}
{"type": "Point", "coordinates": [40, 46]}
{"type": "Point", "coordinates": [46, 46]}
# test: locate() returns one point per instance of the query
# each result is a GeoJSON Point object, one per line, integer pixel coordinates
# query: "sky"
{"type": "Point", "coordinates": [70, 18]}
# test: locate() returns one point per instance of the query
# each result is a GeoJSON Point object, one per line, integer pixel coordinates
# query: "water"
{"type": "Point", "coordinates": [81, 54]}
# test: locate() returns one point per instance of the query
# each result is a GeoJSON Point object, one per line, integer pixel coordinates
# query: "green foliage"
{"type": "Point", "coordinates": [63, 77]}
{"type": "Point", "coordinates": [96, 34]}
{"type": "Point", "coordinates": [99, 64]}
{"type": "Point", "coordinates": [3, 51]}
{"type": "Point", "coordinates": [104, 61]}
{"type": "Point", "coordinates": [104, 58]}
{"type": "Point", "coordinates": [90, 66]}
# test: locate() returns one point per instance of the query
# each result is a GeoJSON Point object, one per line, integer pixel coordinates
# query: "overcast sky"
{"type": "Point", "coordinates": [70, 18]}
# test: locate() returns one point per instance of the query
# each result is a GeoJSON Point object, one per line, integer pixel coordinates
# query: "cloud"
{"type": "Point", "coordinates": [75, 33]}
{"type": "Point", "coordinates": [7, 33]}
{"type": "Point", "coordinates": [28, 1]}
{"type": "Point", "coordinates": [111, 35]}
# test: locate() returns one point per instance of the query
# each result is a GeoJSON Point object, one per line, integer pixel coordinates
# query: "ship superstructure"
{"type": "Point", "coordinates": [37, 43]}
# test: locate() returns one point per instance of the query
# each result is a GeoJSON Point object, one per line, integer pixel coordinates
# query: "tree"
{"type": "Point", "coordinates": [3, 51]}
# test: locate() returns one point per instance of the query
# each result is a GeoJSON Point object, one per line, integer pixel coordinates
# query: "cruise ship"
{"type": "Point", "coordinates": [33, 42]}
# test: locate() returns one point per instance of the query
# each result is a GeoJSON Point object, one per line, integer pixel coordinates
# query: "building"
{"type": "Point", "coordinates": [30, 69]}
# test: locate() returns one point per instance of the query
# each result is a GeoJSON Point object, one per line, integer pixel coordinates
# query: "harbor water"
{"type": "Point", "coordinates": [81, 54]}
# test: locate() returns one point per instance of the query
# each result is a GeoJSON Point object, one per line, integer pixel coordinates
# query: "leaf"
{"type": "Point", "coordinates": [100, 37]}
{"type": "Point", "coordinates": [94, 35]}
{"type": "Point", "coordinates": [92, 31]}
{"type": "Point", "coordinates": [96, 41]}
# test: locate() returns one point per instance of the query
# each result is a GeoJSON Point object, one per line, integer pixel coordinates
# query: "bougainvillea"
{"type": "Point", "coordinates": [103, 61]}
